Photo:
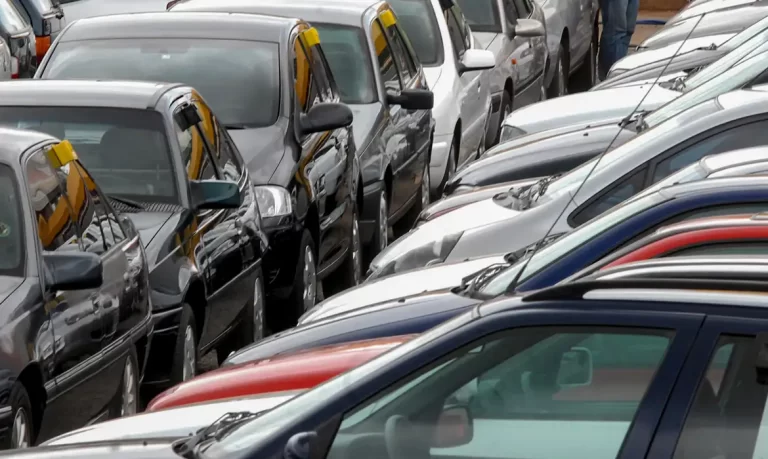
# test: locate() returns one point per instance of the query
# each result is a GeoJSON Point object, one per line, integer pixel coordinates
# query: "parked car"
{"type": "Point", "coordinates": [616, 358]}
{"type": "Point", "coordinates": [166, 163]}
{"type": "Point", "coordinates": [514, 32]}
{"type": "Point", "coordinates": [562, 148]}
{"type": "Point", "coordinates": [75, 292]}
{"type": "Point", "coordinates": [20, 37]}
{"type": "Point", "coordinates": [75, 10]}
{"type": "Point", "coordinates": [391, 102]}
{"type": "Point", "coordinates": [287, 372]}
{"type": "Point", "coordinates": [708, 7]}
{"type": "Point", "coordinates": [290, 125]}
{"type": "Point", "coordinates": [745, 269]}
{"type": "Point", "coordinates": [46, 18]}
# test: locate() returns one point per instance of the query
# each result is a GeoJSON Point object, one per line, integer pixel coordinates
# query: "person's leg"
{"type": "Point", "coordinates": [632, 9]}
{"type": "Point", "coordinates": [612, 38]}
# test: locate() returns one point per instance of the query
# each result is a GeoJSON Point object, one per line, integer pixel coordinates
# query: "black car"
{"type": "Point", "coordinates": [268, 82]}
{"type": "Point", "coordinates": [20, 36]}
{"type": "Point", "coordinates": [74, 288]}
{"type": "Point", "coordinates": [166, 163]}
{"type": "Point", "coordinates": [381, 79]}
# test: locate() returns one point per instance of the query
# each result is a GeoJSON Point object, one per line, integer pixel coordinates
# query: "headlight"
{"type": "Point", "coordinates": [274, 201]}
{"type": "Point", "coordinates": [510, 132]}
{"type": "Point", "coordinates": [412, 251]}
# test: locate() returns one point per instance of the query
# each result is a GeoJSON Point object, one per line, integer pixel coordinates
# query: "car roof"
{"type": "Point", "coordinates": [17, 141]}
{"type": "Point", "coordinates": [714, 184]}
{"type": "Point", "coordinates": [174, 24]}
{"type": "Point", "coordinates": [740, 157]}
{"type": "Point", "coordinates": [347, 12]}
{"type": "Point", "coordinates": [740, 267]}
{"type": "Point", "coordinates": [83, 93]}
{"type": "Point", "coordinates": [721, 221]}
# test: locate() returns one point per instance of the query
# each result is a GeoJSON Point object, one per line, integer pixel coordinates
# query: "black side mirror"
{"type": "Point", "coordinates": [454, 427]}
{"type": "Point", "coordinates": [215, 194]}
{"type": "Point", "coordinates": [413, 99]}
{"type": "Point", "coordinates": [187, 117]}
{"type": "Point", "coordinates": [73, 270]}
{"type": "Point", "coordinates": [325, 116]}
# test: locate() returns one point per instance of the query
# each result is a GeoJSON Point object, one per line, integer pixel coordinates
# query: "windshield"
{"type": "Point", "coordinates": [275, 421]}
{"type": "Point", "coordinates": [418, 19]}
{"type": "Point", "coordinates": [756, 45]}
{"type": "Point", "coordinates": [11, 19]}
{"type": "Point", "coordinates": [568, 243]}
{"type": "Point", "coordinates": [746, 35]}
{"type": "Point", "coordinates": [125, 150]}
{"type": "Point", "coordinates": [11, 225]}
{"type": "Point", "coordinates": [240, 80]}
{"type": "Point", "coordinates": [348, 56]}
{"type": "Point", "coordinates": [482, 15]}
{"type": "Point", "coordinates": [733, 78]}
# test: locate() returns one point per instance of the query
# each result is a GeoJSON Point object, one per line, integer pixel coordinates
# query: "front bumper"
{"type": "Point", "coordinates": [160, 357]}
{"type": "Point", "coordinates": [441, 146]}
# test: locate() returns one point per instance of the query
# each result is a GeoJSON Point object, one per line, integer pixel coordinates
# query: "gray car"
{"type": "Point", "coordinates": [557, 205]}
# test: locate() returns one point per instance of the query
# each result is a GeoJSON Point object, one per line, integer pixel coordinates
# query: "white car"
{"type": "Point", "coordinates": [456, 67]}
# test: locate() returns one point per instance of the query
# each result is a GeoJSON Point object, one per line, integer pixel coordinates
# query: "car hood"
{"type": "Point", "coordinates": [416, 282]}
{"type": "Point", "coordinates": [128, 449]}
{"type": "Point", "coordinates": [168, 424]}
{"type": "Point", "coordinates": [486, 39]}
{"type": "Point", "coordinates": [433, 76]}
{"type": "Point", "coordinates": [262, 149]}
{"type": "Point", "coordinates": [674, 49]}
{"type": "Point", "coordinates": [607, 105]}
{"type": "Point", "coordinates": [90, 8]}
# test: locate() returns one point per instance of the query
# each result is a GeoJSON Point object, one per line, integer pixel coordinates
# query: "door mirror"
{"type": "Point", "coordinates": [73, 271]}
{"type": "Point", "coordinates": [299, 446]}
{"type": "Point", "coordinates": [454, 427]}
{"type": "Point", "coordinates": [476, 59]}
{"type": "Point", "coordinates": [528, 28]}
{"type": "Point", "coordinates": [215, 194]}
{"type": "Point", "coordinates": [325, 116]}
{"type": "Point", "coordinates": [413, 99]}
{"type": "Point", "coordinates": [575, 368]}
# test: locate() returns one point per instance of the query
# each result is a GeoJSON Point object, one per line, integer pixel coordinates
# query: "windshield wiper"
{"type": "Point", "coordinates": [711, 47]}
{"type": "Point", "coordinates": [484, 276]}
{"type": "Point", "coordinates": [126, 201]}
{"type": "Point", "coordinates": [186, 447]}
{"type": "Point", "coordinates": [539, 188]}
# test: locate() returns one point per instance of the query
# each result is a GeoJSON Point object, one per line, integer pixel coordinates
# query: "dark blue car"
{"type": "Point", "coordinates": [553, 263]}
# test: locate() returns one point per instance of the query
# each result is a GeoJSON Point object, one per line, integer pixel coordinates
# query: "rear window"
{"type": "Point", "coordinates": [11, 225]}
{"type": "Point", "coordinates": [125, 150]}
{"type": "Point", "coordinates": [240, 80]}
{"type": "Point", "coordinates": [349, 58]}
{"type": "Point", "coordinates": [418, 19]}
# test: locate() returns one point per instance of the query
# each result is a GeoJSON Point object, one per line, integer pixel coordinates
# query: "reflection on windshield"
{"type": "Point", "coordinates": [282, 417]}
{"type": "Point", "coordinates": [347, 53]}
{"type": "Point", "coordinates": [568, 243]}
{"type": "Point", "coordinates": [11, 225]}
{"type": "Point", "coordinates": [418, 19]}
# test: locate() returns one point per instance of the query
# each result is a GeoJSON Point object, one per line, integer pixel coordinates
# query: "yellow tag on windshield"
{"type": "Point", "coordinates": [311, 37]}
{"type": "Point", "coordinates": [61, 154]}
{"type": "Point", "coordinates": [387, 18]}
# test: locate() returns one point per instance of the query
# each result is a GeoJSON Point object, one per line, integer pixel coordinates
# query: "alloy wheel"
{"type": "Point", "coordinates": [309, 277]}
{"type": "Point", "coordinates": [383, 222]}
{"type": "Point", "coordinates": [21, 430]}
{"type": "Point", "coordinates": [258, 310]}
{"type": "Point", "coordinates": [190, 359]}
{"type": "Point", "coordinates": [425, 185]}
{"type": "Point", "coordinates": [128, 405]}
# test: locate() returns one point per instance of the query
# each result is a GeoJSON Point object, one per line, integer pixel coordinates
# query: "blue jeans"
{"type": "Point", "coordinates": [619, 18]}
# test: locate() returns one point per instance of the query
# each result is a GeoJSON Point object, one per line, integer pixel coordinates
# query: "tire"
{"type": "Point", "coordinates": [251, 328]}
{"type": "Point", "coordinates": [350, 273]}
{"type": "Point", "coordinates": [586, 76]}
{"type": "Point", "coordinates": [21, 435]}
{"type": "Point", "coordinates": [185, 355]}
{"type": "Point", "coordinates": [127, 399]}
{"type": "Point", "coordinates": [559, 85]}
{"type": "Point", "coordinates": [381, 236]}
{"type": "Point", "coordinates": [424, 197]}
{"type": "Point", "coordinates": [504, 110]}
{"type": "Point", "coordinates": [303, 297]}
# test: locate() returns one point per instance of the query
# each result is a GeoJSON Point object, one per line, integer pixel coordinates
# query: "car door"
{"type": "Point", "coordinates": [530, 56]}
{"type": "Point", "coordinates": [718, 406]}
{"type": "Point", "coordinates": [61, 208]}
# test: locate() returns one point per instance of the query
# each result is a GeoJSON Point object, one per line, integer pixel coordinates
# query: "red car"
{"type": "Point", "coordinates": [295, 371]}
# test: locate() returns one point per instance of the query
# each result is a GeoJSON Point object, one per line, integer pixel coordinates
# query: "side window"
{"type": "Point", "coordinates": [224, 153]}
{"type": "Point", "coordinates": [620, 192]}
{"type": "Point", "coordinates": [524, 8]}
{"type": "Point", "coordinates": [230, 160]}
{"type": "Point", "coordinates": [461, 20]}
{"type": "Point", "coordinates": [456, 34]}
{"type": "Point", "coordinates": [97, 234]}
{"type": "Point", "coordinates": [734, 248]}
{"type": "Point", "coordinates": [387, 66]}
{"type": "Point", "coordinates": [525, 384]}
{"type": "Point", "coordinates": [511, 11]}
{"type": "Point", "coordinates": [56, 223]}
{"type": "Point", "coordinates": [404, 63]}
{"type": "Point", "coordinates": [194, 153]}
{"type": "Point", "coordinates": [739, 137]}
{"type": "Point", "coordinates": [323, 74]}
{"type": "Point", "coordinates": [304, 84]}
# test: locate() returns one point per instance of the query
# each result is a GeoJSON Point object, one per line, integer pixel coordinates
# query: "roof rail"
{"type": "Point", "coordinates": [576, 290]}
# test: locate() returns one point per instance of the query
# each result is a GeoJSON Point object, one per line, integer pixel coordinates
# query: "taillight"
{"type": "Point", "coordinates": [14, 68]}
{"type": "Point", "coordinates": [41, 46]}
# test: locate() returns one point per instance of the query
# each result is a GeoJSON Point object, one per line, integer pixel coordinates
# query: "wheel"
{"type": "Point", "coordinates": [185, 355]}
{"type": "Point", "coordinates": [127, 399]}
{"type": "Point", "coordinates": [423, 199]}
{"type": "Point", "coordinates": [586, 76]}
{"type": "Point", "coordinates": [505, 109]}
{"type": "Point", "coordinates": [22, 433]}
{"type": "Point", "coordinates": [305, 282]}
{"type": "Point", "coordinates": [559, 85]}
{"type": "Point", "coordinates": [383, 232]}
{"type": "Point", "coordinates": [251, 327]}
{"type": "Point", "coordinates": [350, 273]}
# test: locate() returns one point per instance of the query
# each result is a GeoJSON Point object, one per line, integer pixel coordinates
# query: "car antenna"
{"type": "Point", "coordinates": [599, 158]}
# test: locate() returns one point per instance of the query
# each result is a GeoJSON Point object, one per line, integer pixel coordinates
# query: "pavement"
{"type": "Point", "coordinates": [644, 31]}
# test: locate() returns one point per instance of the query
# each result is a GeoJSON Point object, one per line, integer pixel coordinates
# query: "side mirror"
{"type": "Point", "coordinates": [528, 28]}
{"type": "Point", "coordinates": [215, 194]}
{"type": "Point", "coordinates": [476, 59]}
{"type": "Point", "coordinates": [575, 368]}
{"type": "Point", "coordinates": [454, 427]}
{"type": "Point", "coordinates": [413, 99]}
{"type": "Point", "coordinates": [73, 270]}
{"type": "Point", "coordinates": [325, 117]}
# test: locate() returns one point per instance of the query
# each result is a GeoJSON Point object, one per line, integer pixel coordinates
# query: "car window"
{"type": "Point", "coordinates": [194, 154]}
{"type": "Point", "coordinates": [732, 139]}
{"type": "Point", "coordinates": [525, 385]}
{"type": "Point", "coordinates": [12, 20]}
{"type": "Point", "coordinates": [320, 71]}
{"type": "Point", "coordinates": [96, 235]}
{"type": "Point", "coordinates": [420, 24]}
{"type": "Point", "coordinates": [387, 66]}
{"type": "Point", "coordinates": [230, 161]}
{"type": "Point", "coordinates": [457, 38]}
{"type": "Point", "coordinates": [625, 189]}
{"type": "Point", "coordinates": [524, 7]}
{"type": "Point", "coordinates": [723, 248]}
{"type": "Point", "coordinates": [306, 91]}
{"type": "Point", "coordinates": [482, 15]}
{"type": "Point", "coordinates": [11, 225]}
{"type": "Point", "coordinates": [404, 63]}
{"type": "Point", "coordinates": [348, 57]}
{"type": "Point", "coordinates": [461, 20]}
{"type": "Point", "coordinates": [511, 11]}
{"type": "Point", "coordinates": [221, 148]}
